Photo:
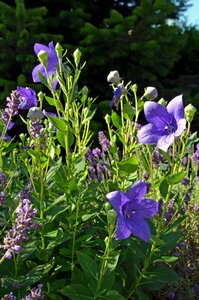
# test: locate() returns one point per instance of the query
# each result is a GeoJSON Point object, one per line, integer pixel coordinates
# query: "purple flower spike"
{"type": "Point", "coordinates": [51, 64]}
{"type": "Point", "coordinates": [28, 97]}
{"type": "Point", "coordinates": [132, 211]}
{"type": "Point", "coordinates": [165, 123]}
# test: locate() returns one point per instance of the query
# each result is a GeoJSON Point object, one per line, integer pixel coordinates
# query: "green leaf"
{"type": "Point", "coordinates": [164, 188]}
{"type": "Point", "coordinates": [54, 102]}
{"type": "Point", "coordinates": [116, 120]}
{"type": "Point", "coordinates": [165, 274]}
{"type": "Point", "coordinates": [88, 265]}
{"type": "Point", "coordinates": [58, 123]}
{"type": "Point", "coordinates": [145, 161]}
{"type": "Point", "coordinates": [166, 259]}
{"type": "Point", "coordinates": [128, 165]}
{"type": "Point", "coordinates": [77, 292]}
{"type": "Point", "coordinates": [176, 178]}
{"type": "Point", "coordinates": [42, 79]}
{"type": "Point", "coordinates": [111, 295]}
{"type": "Point", "coordinates": [169, 241]}
{"type": "Point", "coordinates": [129, 111]}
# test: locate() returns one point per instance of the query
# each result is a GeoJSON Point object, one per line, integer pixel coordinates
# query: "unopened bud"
{"type": "Point", "coordinates": [162, 102]}
{"type": "Point", "coordinates": [190, 111]}
{"type": "Point", "coordinates": [150, 93]}
{"type": "Point", "coordinates": [113, 77]}
{"type": "Point", "coordinates": [43, 57]}
{"type": "Point", "coordinates": [58, 49]}
{"type": "Point", "coordinates": [35, 114]}
{"type": "Point", "coordinates": [77, 55]}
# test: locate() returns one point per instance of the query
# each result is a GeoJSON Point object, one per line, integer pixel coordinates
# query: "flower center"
{"type": "Point", "coordinates": [128, 212]}
{"type": "Point", "coordinates": [170, 128]}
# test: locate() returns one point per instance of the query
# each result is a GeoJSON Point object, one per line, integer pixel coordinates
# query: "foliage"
{"type": "Point", "coordinates": [57, 225]}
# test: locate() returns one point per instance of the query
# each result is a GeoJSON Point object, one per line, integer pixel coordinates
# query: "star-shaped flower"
{"type": "Point", "coordinates": [133, 211]}
{"type": "Point", "coordinates": [52, 63]}
{"type": "Point", "coordinates": [165, 123]}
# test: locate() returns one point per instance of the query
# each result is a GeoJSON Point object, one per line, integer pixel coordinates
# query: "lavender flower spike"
{"type": "Point", "coordinates": [132, 211]}
{"type": "Point", "coordinates": [165, 123]}
{"type": "Point", "coordinates": [52, 63]}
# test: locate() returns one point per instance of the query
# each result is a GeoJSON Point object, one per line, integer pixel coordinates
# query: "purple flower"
{"type": "Point", "coordinates": [117, 95]}
{"type": "Point", "coordinates": [165, 123]}
{"type": "Point", "coordinates": [28, 97]}
{"type": "Point", "coordinates": [11, 109]}
{"type": "Point", "coordinates": [52, 63]}
{"type": "Point", "coordinates": [35, 293]}
{"type": "Point", "coordinates": [9, 296]}
{"type": "Point", "coordinates": [24, 222]}
{"type": "Point", "coordinates": [104, 142]}
{"type": "Point", "coordinates": [132, 211]}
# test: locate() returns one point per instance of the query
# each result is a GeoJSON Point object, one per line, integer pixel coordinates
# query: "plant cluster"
{"type": "Point", "coordinates": [112, 218]}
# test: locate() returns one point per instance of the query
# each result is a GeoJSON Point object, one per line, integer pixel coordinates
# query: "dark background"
{"type": "Point", "coordinates": [148, 42]}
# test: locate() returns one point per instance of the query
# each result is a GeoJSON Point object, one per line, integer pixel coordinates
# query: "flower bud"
{"type": "Point", "coordinates": [35, 114]}
{"type": "Point", "coordinates": [150, 93]}
{"type": "Point", "coordinates": [77, 55]}
{"type": "Point", "coordinates": [113, 77]}
{"type": "Point", "coordinates": [111, 218]}
{"type": "Point", "coordinates": [190, 111]}
{"type": "Point", "coordinates": [162, 102]}
{"type": "Point", "coordinates": [43, 57]}
{"type": "Point", "coordinates": [58, 49]}
{"type": "Point", "coordinates": [134, 88]}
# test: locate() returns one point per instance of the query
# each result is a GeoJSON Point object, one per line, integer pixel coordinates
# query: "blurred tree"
{"type": "Point", "coordinates": [143, 39]}
{"type": "Point", "coordinates": [19, 29]}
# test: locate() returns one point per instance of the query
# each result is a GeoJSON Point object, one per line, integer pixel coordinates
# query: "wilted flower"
{"type": "Point", "coordinates": [150, 93]}
{"type": "Point", "coordinates": [113, 77]}
{"type": "Point", "coordinates": [132, 211]}
{"type": "Point", "coordinates": [28, 97]}
{"type": "Point", "coordinates": [117, 95]}
{"type": "Point", "coordinates": [165, 123]}
{"type": "Point", "coordinates": [52, 63]}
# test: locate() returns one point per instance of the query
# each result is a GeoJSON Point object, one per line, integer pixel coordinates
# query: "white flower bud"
{"type": "Point", "coordinates": [150, 92]}
{"type": "Point", "coordinates": [35, 114]}
{"type": "Point", "coordinates": [113, 77]}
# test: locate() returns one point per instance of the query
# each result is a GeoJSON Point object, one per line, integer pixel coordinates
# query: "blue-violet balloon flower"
{"type": "Point", "coordinates": [133, 211]}
{"type": "Point", "coordinates": [52, 63]}
{"type": "Point", "coordinates": [165, 123]}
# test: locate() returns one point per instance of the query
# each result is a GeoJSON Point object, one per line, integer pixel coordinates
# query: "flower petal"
{"type": "Point", "coordinates": [165, 141]}
{"type": "Point", "coordinates": [137, 191]}
{"type": "Point", "coordinates": [176, 108]}
{"type": "Point", "coordinates": [146, 208]}
{"type": "Point", "coordinates": [122, 231]}
{"type": "Point", "coordinates": [38, 68]}
{"type": "Point", "coordinates": [140, 228]}
{"type": "Point", "coordinates": [38, 47]}
{"type": "Point", "coordinates": [181, 127]}
{"type": "Point", "coordinates": [156, 114]}
{"type": "Point", "coordinates": [149, 134]}
{"type": "Point", "coordinates": [117, 199]}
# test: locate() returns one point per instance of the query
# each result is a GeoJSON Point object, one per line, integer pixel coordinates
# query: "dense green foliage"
{"type": "Point", "coordinates": [142, 39]}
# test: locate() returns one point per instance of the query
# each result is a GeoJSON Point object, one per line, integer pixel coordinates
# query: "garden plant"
{"type": "Point", "coordinates": [112, 215]}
